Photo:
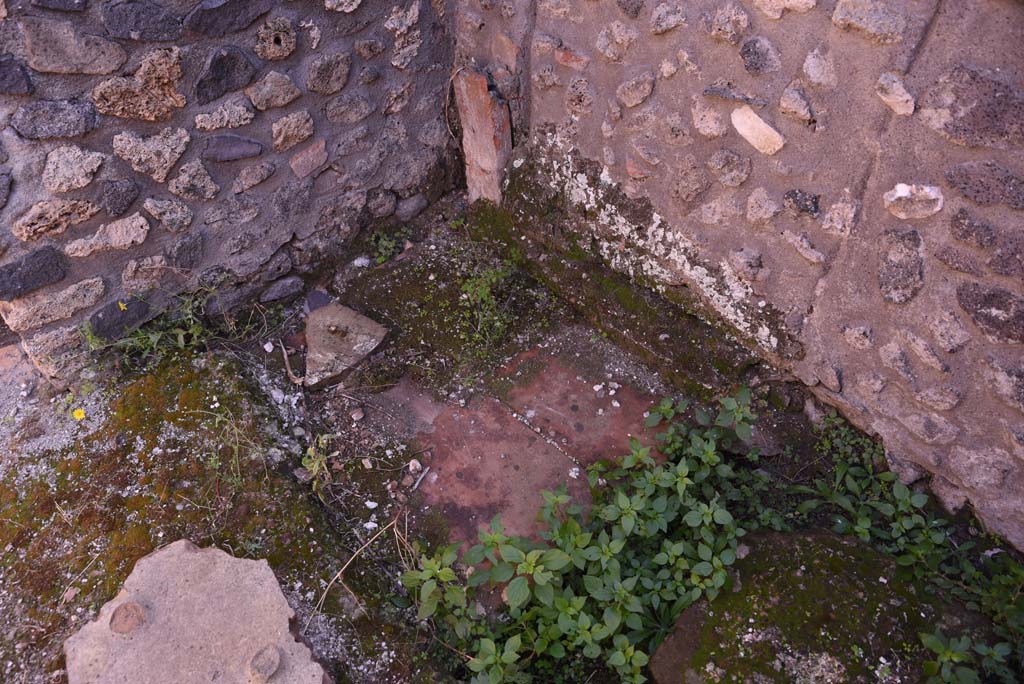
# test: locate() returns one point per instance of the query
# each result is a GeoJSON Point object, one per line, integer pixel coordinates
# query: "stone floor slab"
{"type": "Point", "coordinates": [190, 616]}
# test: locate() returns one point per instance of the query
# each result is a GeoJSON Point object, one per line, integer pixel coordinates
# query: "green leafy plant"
{"type": "Point", "coordinates": [953, 656]}
{"type": "Point", "coordinates": [609, 585]}
{"type": "Point", "coordinates": [862, 499]}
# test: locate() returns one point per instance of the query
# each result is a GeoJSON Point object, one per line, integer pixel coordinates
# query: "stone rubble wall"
{"type": "Point", "coordinates": [840, 180]}
{"type": "Point", "coordinates": [154, 147]}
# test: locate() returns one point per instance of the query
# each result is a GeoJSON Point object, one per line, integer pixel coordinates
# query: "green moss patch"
{"type": "Point", "coordinates": [664, 329]}
{"type": "Point", "coordinates": [456, 309]}
{"type": "Point", "coordinates": [808, 608]}
{"type": "Point", "coordinates": [181, 454]}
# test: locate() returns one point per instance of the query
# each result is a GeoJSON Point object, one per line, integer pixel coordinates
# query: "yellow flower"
{"type": "Point", "coordinates": [78, 414]}
{"type": "Point", "coordinates": [122, 306]}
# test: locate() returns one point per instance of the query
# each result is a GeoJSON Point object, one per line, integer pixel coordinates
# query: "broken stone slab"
{"type": "Point", "coordinates": [1007, 378]}
{"type": "Point", "coordinates": [142, 275]}
{"type": "Point", "coordinates": [346, 6]}
{"type": "Point", "coordinates": [151, 94]}
{"type": "Point", "coordinates": [114, 320]}
{"type": "Point", "coordinates": [486, 135]}
{"type": "Point", "coordinates": [228, 68]}
{"type": "Point", "coordinates": [409, 208]}
{"type": "Point", "coordinates": [802, 244]}
{"type": "Point", "coordinates": [251, 176]}
{"type": "Point", "coordinates": [666, 17]}
{"type": "Point", "coordinates": [615, 40]}
{"type": "Point", "coordinates": [52, 217]}
{"type": "Point", "coordinates": [57, 47]}
{"type": "Point", "coordinates": [727, 24]}
{"type": "Point", "coordinates": [187, 614]}
{"type": "Point", "coordinates": [987, 183]}
{"type": "Point", "coordinates": [288, 287]}
{"type": "Point", "coordinates": [794, 103]}
{"type": "Point", "coordinates": [43, 308]}
{"type": "Point", "coordinates": [580, 96]}
{"type": "Point", "coordinates": [54, 119]}
{"type": "Point", "coordinates": [121, 234]}
{"type": "Point", "coordinates": [874, 19]}
{"type": "Point", "coordinates": [305, 162]}
{"type": "Point", "coordinates": [403, 24]}
{"type": "Point", "coordinates": [289, 131]}
{"type": "Point", "coordinates": [337, 339]}
{"type": "Point", "coordinates": [14, 77]}
{"type": "Point", "coordinates": [154, 156]}
{"type": "Point", "coordinates": [774, 9]}
{"type": "Point", "coordinates": [56, 353]}
{"type": "Point", "coordinates": [707, 120]}
{"type": "Point", "coordinates": [568, 57]}
{"type": "Point", "coordinates": [70, 167]}
{"type": "Point", "coordinates": [233, 114]}
{"type": "Point", "coordinates": [193, 182]}
{"type": "Point", "coordinates": [635, 91]}
{"type": "Point", "coordinates": [230, 147]}
{"type": "Point", "coordinates": [217, 18]}
{"type": "Point", "coordinates": [729, 168]}
{"type": "Point", "coordinates": [841, 217]}
{"type": "Point", "coordinates": [140, 20]}
{"type": "Point", "coordinates": [61, 5]}
{"type": "Point", "coordinates": [761, 208]}
{"type": "Point", "coordinates": [802, 203]}
{"type": "Point", "coordinates": [760, 56]}
{"type": "Point", "coordinates": [724, 89]}
{"type": "Point", "coordinates": [971, 108]}
{"type": "Point", "coordinates": [37, 269]}
{"type": "Point", "coordinates": [273, 90]}
{"type": "Point", "coordinates": [998, 312]}
{"type": "Point", "coordinates": [901, 266]}
{"type": "Point", "coordinates": [329, 73]}
{"type": "Point", "coordinates": [913, 201]}
{"type": "Point", "coordinates": [276, 39]}
{"type": "Point", "coordinates": [348, 109]}
{"type": "Point", "coordinates": [893, 93]}
{"type": "Point", "coordinates": [173, 215]}
{"type": "Point", "coordinates": [756, 131]}
{"type": "Point", "coordinates": [820, 69]}
{"type": "Point", "coordinates": [186, 252]}
{"type": "Point", "coordinates": [5, 187]}
{"type": "Point", "coordinates": [117, 195]}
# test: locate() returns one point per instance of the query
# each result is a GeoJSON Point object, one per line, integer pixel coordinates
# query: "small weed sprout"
{"type": "Point", "coordinates": [316, 463]}
{"type": "Point", "coordinates": [388, 245]}
{"type": "Point", "coordinates": [181, 329]}
{"type": "Point", "coordinates": [487, 320]}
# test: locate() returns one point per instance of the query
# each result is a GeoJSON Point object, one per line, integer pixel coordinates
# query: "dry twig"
{"type": "Point", "coordinates": [288, 366]}
{"type": "Point", "coordinates": [337, 577]}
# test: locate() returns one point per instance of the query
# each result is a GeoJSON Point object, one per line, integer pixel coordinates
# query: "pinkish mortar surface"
{"type": "Point", "coordinates": [495, 455]}
{"type": "Point", "coordinates": [906, 313]}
